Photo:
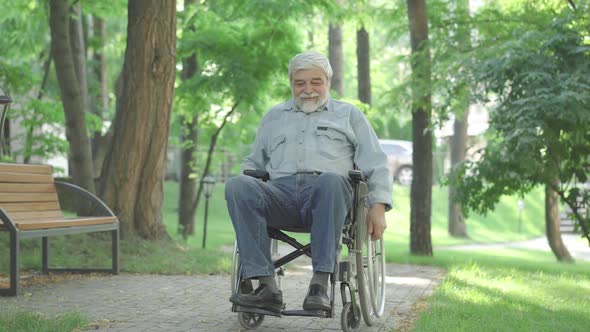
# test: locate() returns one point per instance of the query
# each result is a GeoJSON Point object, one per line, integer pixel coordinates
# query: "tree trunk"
{"type": "Point", "coordinates": [71, 95]}
{"type": "Point", "coordinates": [212, 145]}
{"type": "Point", "coordinates": [30, 129]}
{"type": "Point", "coordinates": [188, 185]}
{"type": "Point", "coordinates": [363, 57]}
{"type": "Point", "coordinates": [552, 226]}
{"type": "Point", "coordinates": [79, 51]}
{"type": "Point", "coordinates": [335, 54]}
{"type": "Point", "coordinates": [457, 226]}
{"type": "Point", "coordinates": [100, 105]}
{"type": "Point", "coordinates": [133, 171]}
{"type": "Point", "coordinates": [188, 142]}
{"type": "Point", "coordinates": [421, 191]}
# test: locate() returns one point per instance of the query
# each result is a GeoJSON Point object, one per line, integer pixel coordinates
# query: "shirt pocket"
{"type": "Point", "coordinates": [277, 150]}
{"type": "Point", "coordinates": [332, 142]}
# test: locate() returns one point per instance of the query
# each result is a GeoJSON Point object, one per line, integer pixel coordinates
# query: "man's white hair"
{"type": "Point", "coordinates": [308, 60]}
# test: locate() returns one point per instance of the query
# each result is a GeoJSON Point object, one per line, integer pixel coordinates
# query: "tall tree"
{"type": "Point", "coordinates": [336, 55]}
{"type": "Point", "coordinates": [100, 95]}
{"type": "Point", "coordinates": [71, 94]}
{"type": "Point", "coordinates": [421, 191]}
{"type": "Point", "coordinates": [133, 171]}
{"type": "Point", "coordinates": [188, 143]}
{"type": "Point", "coordinates": [458, 142]}
{"type": "Point", "coordinates": [363, 58]}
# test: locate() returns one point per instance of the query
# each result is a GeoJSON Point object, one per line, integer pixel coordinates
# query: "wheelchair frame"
{"type": "Point", "coordinates": [362, 273]}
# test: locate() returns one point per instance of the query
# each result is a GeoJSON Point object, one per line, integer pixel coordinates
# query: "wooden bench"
{"type": "Point", "coordinates": [29, 208]}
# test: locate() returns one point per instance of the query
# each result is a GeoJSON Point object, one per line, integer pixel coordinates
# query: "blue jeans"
{"type": "Point", "coordinates": [316, 202]}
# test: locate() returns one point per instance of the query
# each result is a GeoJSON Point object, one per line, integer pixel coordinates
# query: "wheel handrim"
{"type": "Point", "coordinates": [376, 268]}
{"type": "Point", "coordinates": [235, 263]}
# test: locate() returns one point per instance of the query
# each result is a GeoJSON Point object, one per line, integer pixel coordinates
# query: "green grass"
{"type": "Point", "coordinates": [509, 290]}
{"type": "Point", "coordinates": [29, 322]}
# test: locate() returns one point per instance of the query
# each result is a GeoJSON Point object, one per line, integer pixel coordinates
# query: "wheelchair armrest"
{"type": "Point", "coordinates": [259, 174]}
{"type": "Point", "coordinates": [357, 176]}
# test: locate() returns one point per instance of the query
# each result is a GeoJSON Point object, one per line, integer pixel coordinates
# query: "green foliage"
{"type": "Point", "coordinates": [36, 113]}
{"type": "Point", "coordinates": [539, 128]}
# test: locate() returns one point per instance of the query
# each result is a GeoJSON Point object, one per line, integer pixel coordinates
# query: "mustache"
{"type": "Point", "coordinates": [309, 95]}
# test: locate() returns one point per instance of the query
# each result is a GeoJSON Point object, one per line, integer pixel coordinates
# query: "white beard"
{"type": "Point", "coordinates": [307, 105]}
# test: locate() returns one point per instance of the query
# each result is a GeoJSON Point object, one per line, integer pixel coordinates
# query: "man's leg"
{"type": "Point", "coordinates": [251, 203]}
{"type": "Point", "coordinates": [329, 201]}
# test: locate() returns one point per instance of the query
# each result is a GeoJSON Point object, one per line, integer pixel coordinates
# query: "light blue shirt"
{"type": "Point", "coordinates": [333, 139]}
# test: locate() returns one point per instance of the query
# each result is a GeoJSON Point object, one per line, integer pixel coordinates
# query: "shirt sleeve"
{"type": "Point", "coordinates": [258, 158]}
{"type": "Point", "coordinates": [370, 158]}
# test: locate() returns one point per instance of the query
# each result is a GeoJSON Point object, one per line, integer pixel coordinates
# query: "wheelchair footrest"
{"type": "Point", "coordinates": [238, 308]}
{"type": "Point", "coordinates": [307, 313]}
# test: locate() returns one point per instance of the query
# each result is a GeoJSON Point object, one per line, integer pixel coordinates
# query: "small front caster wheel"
{"type": "Point", "coordinates": [249, 320]}
{"type": "Point", "coordinates": [349, 321]}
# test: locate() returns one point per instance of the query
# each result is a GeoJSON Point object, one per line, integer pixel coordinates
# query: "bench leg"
{"type": "Point", "coordinates": [45, 255]}
{"type": "Point", "coordinates": [115, 251]}
{"type": "Point", "coordinates": [14, 259]}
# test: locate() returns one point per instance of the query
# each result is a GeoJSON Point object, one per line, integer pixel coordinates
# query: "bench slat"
{"type": "Point", "coordinates": [25, 168]}
{"type": "Point", "coordinates": [29, 206]}
{"type": "Point", "coordinates": [25, 178]}
{"type": "Point", "coordinates": [27, 197]}
{"type": "Point", "coordinates": [35, 215]}
{"type": "Point", "coordinates": [59, 223]}
{"type": "Point", "coordinates": [27, 188]}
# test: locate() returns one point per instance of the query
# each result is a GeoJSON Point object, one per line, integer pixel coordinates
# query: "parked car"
{"type": "Point", "coordinates": [399, 160]}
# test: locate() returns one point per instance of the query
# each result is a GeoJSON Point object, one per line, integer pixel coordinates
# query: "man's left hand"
{"type": "Point", "coordinates": [376, 224]}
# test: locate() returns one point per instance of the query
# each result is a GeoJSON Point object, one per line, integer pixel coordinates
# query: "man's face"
{"type": "Point", "coordinates": [310, 89]}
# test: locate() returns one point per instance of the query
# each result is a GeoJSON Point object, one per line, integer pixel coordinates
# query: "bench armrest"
{"type": "Point", "coordinates": [101, 206]}
{"type": "Point", "coordinates": [6, 221]}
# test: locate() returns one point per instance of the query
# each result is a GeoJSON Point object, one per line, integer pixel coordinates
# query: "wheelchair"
{"type": "Point", "coordinates": [360, 271]}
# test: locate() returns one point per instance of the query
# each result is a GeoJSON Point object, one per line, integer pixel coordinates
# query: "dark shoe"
{"type": "Point", "coordinates": [261, 298]}
{"type": "Point", "coordinates": [317, 299]}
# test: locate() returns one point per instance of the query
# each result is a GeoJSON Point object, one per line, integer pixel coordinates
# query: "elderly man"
{"type": "Point", "coordinates": [307, 144]}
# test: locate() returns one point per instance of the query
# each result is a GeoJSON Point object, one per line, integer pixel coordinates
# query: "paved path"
{"type": "Point", "coordinates": [130, 302]}
{"type": "Point", "coordinates": [577, 246]}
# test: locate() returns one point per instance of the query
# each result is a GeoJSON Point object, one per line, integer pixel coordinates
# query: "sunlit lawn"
{"type": "Point", "coordinates": [507, 290]}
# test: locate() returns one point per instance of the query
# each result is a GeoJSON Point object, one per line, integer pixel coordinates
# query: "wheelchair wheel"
{"type": "Point", "coordinates": [370, 272]}
{"type": "Point", "coordinates": [376, 268]}
{"type": "Point", "coordinates": [348, 320]}
{"type": "Point", "coordinates": [238, 285]}
{"type": "Point", "coordinates": [250, 321]}
{"type": "Point", "coordinates": [235, 269]}
{"type": "Point", "coordinates": [274, 254]}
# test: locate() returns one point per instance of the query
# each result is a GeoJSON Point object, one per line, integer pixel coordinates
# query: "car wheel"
{"type": "Point", "coordinates": [404, 176]}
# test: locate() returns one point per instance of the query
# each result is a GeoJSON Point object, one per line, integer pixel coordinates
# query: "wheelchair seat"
{"type": "Point", "coordinates": [361, 274]}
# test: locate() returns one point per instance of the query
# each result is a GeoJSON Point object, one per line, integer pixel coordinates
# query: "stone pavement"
{"type": "Point", "coordinates": [129, 302]}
